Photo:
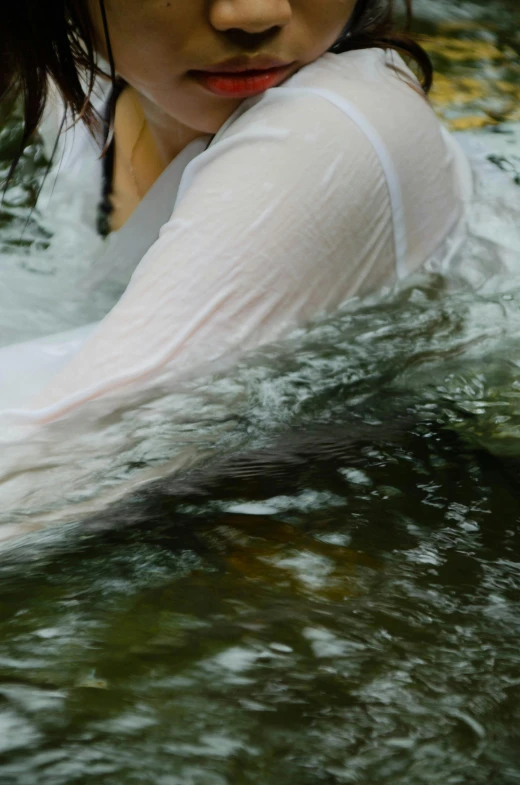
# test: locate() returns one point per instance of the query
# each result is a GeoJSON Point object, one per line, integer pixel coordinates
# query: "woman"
{"type": "Point", "coordinates": [277, 156]}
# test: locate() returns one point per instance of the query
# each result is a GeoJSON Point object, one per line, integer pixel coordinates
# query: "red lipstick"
{"type": "Point", "coordinates": [243, 77]}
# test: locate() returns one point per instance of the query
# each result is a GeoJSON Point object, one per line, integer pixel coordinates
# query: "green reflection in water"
{"type": "Point", "coordinates": [348, 614]}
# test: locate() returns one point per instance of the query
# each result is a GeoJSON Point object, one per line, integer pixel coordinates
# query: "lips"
{"type": "Point", "coordinates": [243, 77]}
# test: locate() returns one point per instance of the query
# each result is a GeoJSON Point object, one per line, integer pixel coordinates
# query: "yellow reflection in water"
{"type": "Point", "coordinates": [266, 551]}
{"type": "Point", "coordinates": [477, 77]}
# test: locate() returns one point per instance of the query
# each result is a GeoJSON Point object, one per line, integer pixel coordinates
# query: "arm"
{"type": "Point", "coordinates": [284, 218]}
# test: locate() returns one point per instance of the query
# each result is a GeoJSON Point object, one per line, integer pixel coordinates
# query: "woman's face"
{"type": "Point", "coordinates": [176, 53]}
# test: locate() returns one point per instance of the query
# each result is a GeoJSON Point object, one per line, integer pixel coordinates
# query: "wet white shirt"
{"type": "Point", "coordinates": [330, 186]}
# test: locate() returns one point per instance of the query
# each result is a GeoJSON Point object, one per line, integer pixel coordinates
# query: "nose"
{"type": "Point", "coordinates": [251, 16]}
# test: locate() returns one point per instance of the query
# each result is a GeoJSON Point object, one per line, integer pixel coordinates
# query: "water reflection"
{"type": "Point", "coordinates": [478, 74]}
{"type": "Point", "coordinates": [360, 626]}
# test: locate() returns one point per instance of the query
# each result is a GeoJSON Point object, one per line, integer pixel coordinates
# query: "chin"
{"type": "Point", "coordinates": [212, 120]}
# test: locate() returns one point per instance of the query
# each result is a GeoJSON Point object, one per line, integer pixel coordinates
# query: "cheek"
{"type": "Point", "coordinates": [319, 24]}
{"type": "Point", "coordinates": [327, 18]}
{"type": "Point", "coordinates": [148, 36]}
{"type": "Point", "coordinates": [142, 64]}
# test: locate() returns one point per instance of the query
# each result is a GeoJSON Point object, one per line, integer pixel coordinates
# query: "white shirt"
{"type": "Point", "coordinates": [329, 186]}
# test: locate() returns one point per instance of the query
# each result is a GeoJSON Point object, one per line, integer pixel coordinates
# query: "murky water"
{"type": "Point", "coordinates": [306, 571]}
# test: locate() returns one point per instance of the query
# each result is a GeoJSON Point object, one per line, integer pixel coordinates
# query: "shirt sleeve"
{"type": "Point", "coordinates": [285, 217]}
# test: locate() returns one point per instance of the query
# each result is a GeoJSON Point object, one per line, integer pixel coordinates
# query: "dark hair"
{"type": "Point", "coordinates": [372, 24]}
{"type": "Point", "coordinates": [55, 39]}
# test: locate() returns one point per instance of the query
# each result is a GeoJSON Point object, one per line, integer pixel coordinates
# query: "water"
{"type": "Point", "coordinates": [305, 570]}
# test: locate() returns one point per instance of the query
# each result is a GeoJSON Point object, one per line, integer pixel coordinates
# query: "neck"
{"type": "Point", "coordinates": [170, 136]}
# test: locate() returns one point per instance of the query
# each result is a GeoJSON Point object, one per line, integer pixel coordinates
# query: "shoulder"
{"type": "Point", "coordinates": [374, 80]}
{"type": "Point", "coordinates": [338, 97]}
{"type": "Point", "coordinates": [295, 136]}
{"type": "Point", "coordinates": [347, 150]}
{"type": "Point", "coordinates": [347, 123]}
{"type": "Point", "coordinates": [337, 105]}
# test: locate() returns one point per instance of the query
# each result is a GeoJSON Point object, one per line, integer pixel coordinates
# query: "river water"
{"type": "Point", "coordinates": [304, 571]}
